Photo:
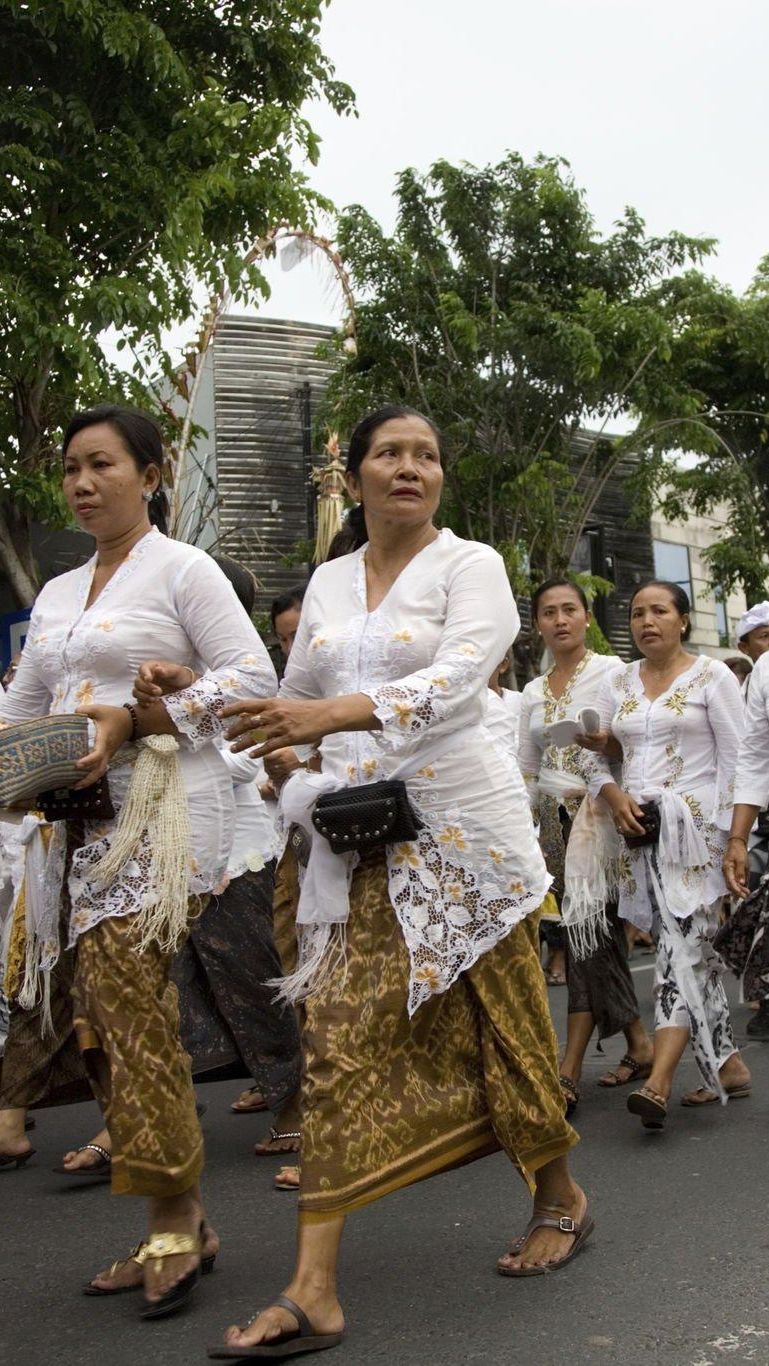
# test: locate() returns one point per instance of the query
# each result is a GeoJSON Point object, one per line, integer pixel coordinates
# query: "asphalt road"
{"type": "Point", "coordinates": [675, 1274]}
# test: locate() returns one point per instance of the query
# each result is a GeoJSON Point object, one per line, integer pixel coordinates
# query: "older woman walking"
{"type": "Point", "coordinates": [129, 885]}
{"type": "Point", "coordinates": [678, 718]}
{"type": "Point", "coordinates": [428, 1040]}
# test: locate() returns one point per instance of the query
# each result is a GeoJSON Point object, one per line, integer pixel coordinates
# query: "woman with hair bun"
{"type": "Point", "coordinates": [428, 1040]}
{"type": "Point", "coordinates": [121, 885]}
{"type": "Point", "coordinates": [678, 719]}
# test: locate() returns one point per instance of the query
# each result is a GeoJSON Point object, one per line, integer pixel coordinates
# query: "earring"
{"type": "Point", "coordinates": [147, 496]}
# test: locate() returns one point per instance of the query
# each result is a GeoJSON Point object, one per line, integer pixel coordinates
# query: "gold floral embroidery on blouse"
{"type": "Point", "coordinates": [404, 714]}
{"type": "Point", "coordinates": [85, 694]}
{"type": "Point", "coordinates": [403, 635]}
{"type": "Point", "coordinates": [556, 705]}
{"type": "Point", "coordinates": [677, 700]}
{"type": "Point", "coordinates": [406, 856]}
{"type": "Point", "coordinates": [627, 707]}
{"type": "Point", "coordinates": [453, 835]}
{"type": "Point", "coordinates": [675, 765]}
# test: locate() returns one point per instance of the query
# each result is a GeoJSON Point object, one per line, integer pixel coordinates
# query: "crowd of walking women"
{"type": "Point", "coordinates": [343, 878]}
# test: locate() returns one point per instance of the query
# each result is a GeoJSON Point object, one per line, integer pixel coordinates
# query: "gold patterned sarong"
{"type": "Point", "coordinates": [127, 1023]}
{"type": "Point", "coordinates": [389, 1100]}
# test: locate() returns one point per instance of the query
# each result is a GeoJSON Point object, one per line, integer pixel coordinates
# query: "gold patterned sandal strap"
{"type": "Point", "coordinates": [172, 1245]}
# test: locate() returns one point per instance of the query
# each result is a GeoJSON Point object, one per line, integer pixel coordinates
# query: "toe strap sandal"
{"type": "Point", "coordinates": [636, 1071]}
{"type": "Point", "coordinates": [263, 1149]}
{"type": "Point", "coordinates": [571, 1094]}
{"type": "Point", "coordinates": [651, 1108]}
{"type": "Point", "coordinates": [302, 1339]}
{"type": "Point", "coordinates": [160, 1246]}
{"type": "Point", "coordinates": [137, 1254]}
{"type": "Point", "coordinates": [98, 1171]}
{"type": "Point", "coordinates": [564, 1224]}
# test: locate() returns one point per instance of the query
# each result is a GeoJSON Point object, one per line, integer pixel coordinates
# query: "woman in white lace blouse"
{"type": "Point", "coordinates": [601, 992]}
{"type": "Point", "coordinates": [678, 718]}
{"type": "Point", "coordinates": [141, 594]}
{"type": "Point", "coordinates": [428, 1040]}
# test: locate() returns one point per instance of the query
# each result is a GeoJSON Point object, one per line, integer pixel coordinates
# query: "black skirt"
{"type": "Point", "coordinates": [230, 1022]}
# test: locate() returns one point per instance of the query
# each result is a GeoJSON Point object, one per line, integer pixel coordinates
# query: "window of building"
{"type": "Point", "coordinates": [671, 562]}
{"type": "Point", "coordinates": [722, 621]}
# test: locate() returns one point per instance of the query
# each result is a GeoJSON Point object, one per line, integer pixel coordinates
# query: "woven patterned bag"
{"type": "Point", "coordinates": [38, 756]}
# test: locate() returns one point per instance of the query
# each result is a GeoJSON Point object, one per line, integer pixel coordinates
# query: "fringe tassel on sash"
{"type": "Point", "coordinates": [156, 805]}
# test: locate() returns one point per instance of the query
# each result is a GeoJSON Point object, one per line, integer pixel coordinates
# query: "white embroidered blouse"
{"type": "Point", "coordinates": [424, 657]}
{"type": "Point", "coordinates": [683, 744]}
{"type": "Point", "coordinates": [503, 718]}
{"type": "Point", "coordinates": [541, 761]}
{"type": "Point", "coordinates": [167, 600]}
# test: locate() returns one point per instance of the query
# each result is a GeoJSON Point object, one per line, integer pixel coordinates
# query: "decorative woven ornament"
{"type": "Point", "coordinates": [331, 497]}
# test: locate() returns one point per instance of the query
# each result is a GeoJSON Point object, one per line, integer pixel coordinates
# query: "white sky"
{"type": "Point", "coordinates": [662, 105]}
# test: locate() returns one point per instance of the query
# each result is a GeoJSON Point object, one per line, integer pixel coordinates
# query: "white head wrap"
{"type": "Point", "coordinates": [755, 616]}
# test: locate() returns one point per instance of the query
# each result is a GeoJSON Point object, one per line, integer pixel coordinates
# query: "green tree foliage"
{"type": "Point", "coordinates": [143, 146]}
{"type": "Point", "coordinates": [498, 309]}
{"type": "Point", "coordinates": [725, 356]}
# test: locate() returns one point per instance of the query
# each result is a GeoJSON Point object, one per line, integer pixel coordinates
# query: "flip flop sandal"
{"type": "Point", "coordinates": [98, 1171]}
{"type": "Point", "coordinates": [289, 1344]}
{"type": "Point", "coordinates": [281, 1184]}
{"type": "Point", "coordinates": [638, 1071]}
{"type": "Point", "coordinates": [10, 1160]}
{"type": "Point", "coordinates": [237, 1109]}
{"type": "Point", "coordinates": [261, 1150]}
{"type": "Point", "coordinates": [740, 1092]}
{"type": "Point", "coordinates": [564, 1224]}
{"type": "Point", "coordinates": [651, 1108]}
{"type": "Point", "coordinates": [160, 1246]}
{"type": "Point", "coordinates": [138, 1254]}
{"type": "Point", "coordinates": [571, 1094]}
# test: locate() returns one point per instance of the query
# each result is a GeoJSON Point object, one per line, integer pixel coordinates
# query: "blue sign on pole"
{"type": "Point", "coordinates": [13, 633]}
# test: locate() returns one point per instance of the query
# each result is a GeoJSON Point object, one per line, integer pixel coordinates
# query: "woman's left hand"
{"type": "Point", "coordinates": [273, 723]}
{"type": "Point", "coordinates": [114, 727]}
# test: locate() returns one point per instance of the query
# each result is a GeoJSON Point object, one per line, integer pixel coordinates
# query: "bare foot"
{"type": "Point", "coordinates": [325, 1315]}
{"type": "Point", "coordinates": [278, 1143]}
{"type": "Point", "coordinates": [128, 1273]}
{"type": "Point", "coordinates": [83, 1159]}
{"type": "Point", "coordinates": [13, 1142]}
{"type": "Point", "coordinates": [249, 1102]}
{"type": "Point", "coordinates": [546, 1246]}
{"type": "Point", "coordinates": [287, 1178]}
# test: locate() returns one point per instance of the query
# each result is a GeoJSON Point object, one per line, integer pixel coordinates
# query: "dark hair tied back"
{"type": "Point", "coordinates": [141, 436]}
{"type": "Point", "coordinates": [353, 534]}
{"type": "Point", "coordinates": [678, 594]}
{"type": "Point", "coordinates": [561, 582]}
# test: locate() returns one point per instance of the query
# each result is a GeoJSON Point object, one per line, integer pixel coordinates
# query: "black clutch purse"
{"type": "Point", "coordinates": [84, 804]}
{"type": "Point", "coordinates": [650, 820]}
{"type": "Point", "coordinates": [366, 817]}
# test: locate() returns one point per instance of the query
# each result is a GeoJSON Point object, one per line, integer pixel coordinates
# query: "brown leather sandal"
{"type": "Point", "coordinates": [303, 1339]}
{"type": "Point", "coordinates": [651, 1108]}
{"type": "Point", "coordinates": [638, 1071]}
{"type": "Point", "coordinates": [564, 1224]}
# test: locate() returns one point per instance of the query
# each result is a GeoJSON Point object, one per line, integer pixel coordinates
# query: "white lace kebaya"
{"type": "Point", "coordinates": [424, 657]}
{"type": "Point", "coordinates": [167, 600]}
{"type": "Point", "coordinates": [681, 751]}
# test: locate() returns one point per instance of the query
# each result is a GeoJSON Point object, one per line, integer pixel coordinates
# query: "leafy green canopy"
{"type": "Point", "coordinates": [142, 145]}
{"type": "Point", "coordinates": [498, 309]}
{"type": "Point", "coordinates": [725, 358]}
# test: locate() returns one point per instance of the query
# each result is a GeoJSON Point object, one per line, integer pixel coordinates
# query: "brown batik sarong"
{"type": "Point", "coordinates": [38, 1067]}
{"type": "Point", "coordinates": [127, 1021]}
{"type": "Point", "coordinates": [390, 1100]}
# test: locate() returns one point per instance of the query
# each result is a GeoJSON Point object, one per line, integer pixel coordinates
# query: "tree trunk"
{"type": "Point", "coordinates": [22, 584]}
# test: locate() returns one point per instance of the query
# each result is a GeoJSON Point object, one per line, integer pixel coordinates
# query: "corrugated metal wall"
{"type": "Point", "coordinates": [267, 383]}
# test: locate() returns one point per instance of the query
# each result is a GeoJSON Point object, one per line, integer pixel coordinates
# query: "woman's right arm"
{"type": "Point", "coordinates": [529, 754]}
{"type": "Point", "coordinates": [751, 782]}
{"type": "Point", "coordinates": [598, 774]}
{"type": "Point", "coordinates": [29, 696]}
